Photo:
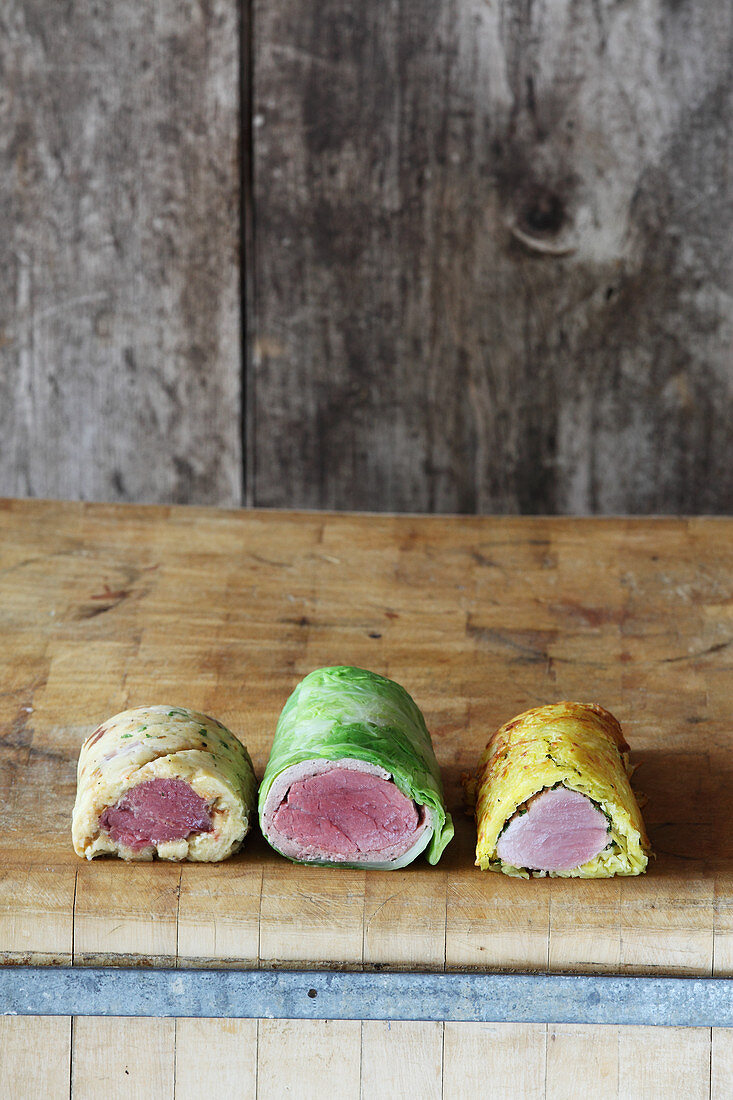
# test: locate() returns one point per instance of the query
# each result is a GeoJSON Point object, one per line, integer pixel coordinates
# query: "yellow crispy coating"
{"type": "Point", "coordinates": [578, 745]}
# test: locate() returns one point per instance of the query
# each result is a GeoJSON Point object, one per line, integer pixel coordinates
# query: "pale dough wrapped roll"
{"type": "Point", "coordinates": [162, 781]}
{"type": "Point", "coordinates": [553, 797]}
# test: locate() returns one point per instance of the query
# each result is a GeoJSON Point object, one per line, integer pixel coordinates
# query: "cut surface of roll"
{"type": "Point", "coordinates": [344, 811]}
{"type": "Point", "coordinates": [558, 830]}
{"type": "Point", "coordinates": [162, 781]}
{"type": "Point", "coordinates": [553, 797]}
{"type": "Point", "coordinates": [352, 777]}
{"type": "Point", "coordinates": [155, 812]}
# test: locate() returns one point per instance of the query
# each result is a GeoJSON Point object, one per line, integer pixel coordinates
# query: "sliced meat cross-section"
{"type": "Point", "coordinates": [343, 811]}
{"type": "Point", "coordinates": [155, 812]}
{"type": "Point", "coordinates": [162, 782]}
{"type": "Point", "coordinates": [352, 779]}
{"type": "Point", "coordinates": [560, 830]}
{"type": "Point", "coordinates": [347, 814]}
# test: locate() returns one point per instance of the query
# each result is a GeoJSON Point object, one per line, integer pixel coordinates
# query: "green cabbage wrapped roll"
{"type": "Point", "coordinates": [352, 778]}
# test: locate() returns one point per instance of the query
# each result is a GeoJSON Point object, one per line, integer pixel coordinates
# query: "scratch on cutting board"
{"type": "Point", "coordinates": [381, 906]}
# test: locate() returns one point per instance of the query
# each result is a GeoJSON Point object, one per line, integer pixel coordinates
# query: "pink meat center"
{"type": "Point", "coordinates": [345, 813]}
{"type": "Point", "coordinates": [155, 812]}
{"type": "Point", "coordinates": [560, 831]}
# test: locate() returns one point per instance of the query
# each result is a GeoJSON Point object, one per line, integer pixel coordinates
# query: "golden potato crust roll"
{"type": "Point", "coordinates": [162, 781]}
{"type": "Point", "coordinates": [553, 797]}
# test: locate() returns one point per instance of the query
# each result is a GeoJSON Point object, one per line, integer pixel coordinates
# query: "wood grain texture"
{"type": "Point", "coordinates": [37, 915]}
{"type": "Point", "coordinates": [490, 270]}
{"type": "Point", "coordinates": [404, 923]}
{"type": "Point", "coordinates": [486, 263]}
{"type": "Point", "coordinates": [401, 1058]}
{"type": "Point", "coordinates": [721, 1064]}
{"type": "Point", "coordinates": [24, 1076]}
{"type": "Point", "coordinates": [579, 1056]}
{"type": "Point", "coordinates": [123, 1058]}
{"type": "Point", "coordinates": [135, 916]}
{"type": "Point", "coordinates": [132, 1060]}
{"type": "Point", "coordinates": [107, 606]}
{"type": "Point", "coordinates": [664, 1061]}
{"type": "Point", "coordinates": [219, 917]}
{"type": "Point", "coordinates": [120, 366]}
{"type": "Point", "coordinates": [308, 1059]}
{"type": "Point", "coordinates": [216, 1058]}
{"type": "Point", "coordinates": [311, 908]}
{"type": "Point", "coordinates": [494, 1060]}
{"type": "Point", "coordinates": [102, 607]}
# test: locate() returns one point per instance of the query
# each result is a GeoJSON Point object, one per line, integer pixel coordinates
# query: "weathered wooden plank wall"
{"type": "Point", "coordinates": [489, 265]}
{"type": "Point", "coordinates": [119, 239]}
{"type": "Point", "coordinates": [493, 255]}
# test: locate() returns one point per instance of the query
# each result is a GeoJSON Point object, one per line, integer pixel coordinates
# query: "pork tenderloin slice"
{"type": "Point", "coordinates": [561, 830]}
{"type": "Point", "coordinates": [345, 811]}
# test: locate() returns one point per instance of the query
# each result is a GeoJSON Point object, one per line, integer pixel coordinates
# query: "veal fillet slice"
{"type": "Point", "coordinates": [344, 811]}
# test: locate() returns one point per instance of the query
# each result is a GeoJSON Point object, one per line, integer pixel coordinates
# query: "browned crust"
{"type": "Point", "coordinates": [565, 708]}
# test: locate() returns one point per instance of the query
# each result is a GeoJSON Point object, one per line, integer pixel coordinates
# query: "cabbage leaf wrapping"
{"type": "Point", "coordinates": [345, 713]}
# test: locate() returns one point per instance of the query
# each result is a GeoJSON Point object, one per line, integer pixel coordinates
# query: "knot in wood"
{"type": "Point", "coordinates": [543, 211]}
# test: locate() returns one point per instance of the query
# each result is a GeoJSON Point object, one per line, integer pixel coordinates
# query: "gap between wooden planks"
{"type": "Point", "coordinates": [279, 915]}
{"type": "Point", "coordinates": [479, 618]}
{"type": "Point", "coordinates": [175, 1059]}
{"type": "Point", "coordinates": [104, 606]}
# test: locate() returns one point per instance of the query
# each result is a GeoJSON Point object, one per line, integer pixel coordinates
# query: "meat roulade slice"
{"type": "Point", "coordinates": [553, 797]}
{"type": "Point", "coordinates": [352, 778]}
{"type": "Point", "coordinates": [162, 781]}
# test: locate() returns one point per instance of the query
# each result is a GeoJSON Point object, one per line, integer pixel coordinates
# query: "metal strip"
{"type": "Point", "coordinates": [318, 995]}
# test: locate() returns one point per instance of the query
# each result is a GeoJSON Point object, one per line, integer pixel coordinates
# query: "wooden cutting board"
{"type": "Point", "coordinates": [106, 607]}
